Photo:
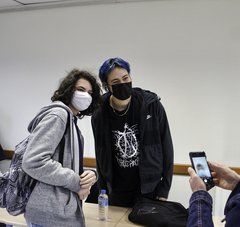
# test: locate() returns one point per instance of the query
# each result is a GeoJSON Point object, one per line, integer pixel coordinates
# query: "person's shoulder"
{"type": "Point", "coordinates": [62, 111]}
{"type": "Point", "coordinates": [98, 113]}
{"type": "Point", "coordinates": [104, 106]}
{"type": "Point", "coordinates": [59, 111]}
{"type": "Point", "coordinates": [148, 95]}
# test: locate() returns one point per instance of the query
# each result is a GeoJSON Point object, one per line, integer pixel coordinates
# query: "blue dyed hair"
{"type": "Point", "coordinates": [109, 65]}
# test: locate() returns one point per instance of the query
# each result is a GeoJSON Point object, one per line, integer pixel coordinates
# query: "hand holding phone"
{"type": "Point", "coordinates": [195, 181]}
{"type": "Point", "coordinates": [200, 165]}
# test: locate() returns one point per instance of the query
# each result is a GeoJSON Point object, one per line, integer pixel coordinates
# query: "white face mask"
{"type": "Point", "coordinates": [81, 100]}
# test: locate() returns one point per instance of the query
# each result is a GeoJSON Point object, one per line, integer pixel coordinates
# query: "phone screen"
{"type": "Point", "coordinates": [201, 167]}
{"type": "Point", "coordinates": [199, 163]}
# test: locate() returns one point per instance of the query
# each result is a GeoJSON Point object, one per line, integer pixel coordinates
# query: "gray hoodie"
{"type": "Point", "coordinates": [54, 200]}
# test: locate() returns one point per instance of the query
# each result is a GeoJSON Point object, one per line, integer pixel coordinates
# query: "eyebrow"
{"type": "Point", "coordinates": [116, 79]}
{"type": "Point", "coordinates": [84, 88]}
{"type": "Point", "coordinates": [81, 87]}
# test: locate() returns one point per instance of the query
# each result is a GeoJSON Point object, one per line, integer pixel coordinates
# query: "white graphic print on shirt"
{"type": "Point", "coordinates": [127, 146]}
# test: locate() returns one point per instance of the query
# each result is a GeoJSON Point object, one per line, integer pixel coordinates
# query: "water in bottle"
{"type": "Point", "coordinates": [103, 205]}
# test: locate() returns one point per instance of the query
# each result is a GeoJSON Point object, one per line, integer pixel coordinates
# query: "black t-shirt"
{"type": "Point", "coordinates": [125, 147]}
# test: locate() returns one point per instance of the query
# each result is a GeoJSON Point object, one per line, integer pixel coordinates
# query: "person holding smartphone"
{"type": "Point", "coordinates": [200, 208]}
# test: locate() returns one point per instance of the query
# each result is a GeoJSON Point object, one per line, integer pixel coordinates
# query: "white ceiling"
{"type": "Point", "coordinates": [13, 5]}
{"type": "Point", "coordinates": [5, 3]}
{"type": "Point", "coordinates": [37, 1]}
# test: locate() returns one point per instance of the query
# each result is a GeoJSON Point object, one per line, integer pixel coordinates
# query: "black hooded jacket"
{"type": "Point", "coordinates": [156, 155]}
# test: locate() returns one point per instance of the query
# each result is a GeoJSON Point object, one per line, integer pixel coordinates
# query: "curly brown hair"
{"type": "Point", "coordinates": [67, 87]}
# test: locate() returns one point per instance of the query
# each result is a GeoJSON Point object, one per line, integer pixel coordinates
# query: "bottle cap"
{"type": "Point", "coordinates": [103, 191]}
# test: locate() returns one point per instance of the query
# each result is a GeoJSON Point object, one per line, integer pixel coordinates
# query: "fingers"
{"type": "Point", "coordinates": [214, 174]}
{"type": "Point", "coordinates": [191, 172]}
{"type": "Point", "coordinates": [86, 173]}
{"type": "Point", "coordinates": [85, 186]}
{"type": "Point", "coordinates": [82, 197]}
{"type": "Point", "coordinates": [83, 193]}
{"type": "Point", "coordinates": [216, 167]}
{"type": "Point", "coordinates": [216, 181]}
{"type": "Point", "coordinates": [213, 166]}
{"type": "Point", "coordinates": [87, 181]}
{"type": "Point", "coordinates": [195, 181]}
{"type": "Point", "coordinates": [88, 178]}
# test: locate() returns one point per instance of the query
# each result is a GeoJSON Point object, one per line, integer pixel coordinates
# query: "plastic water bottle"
{"type": "Point", "coordinates": [103, 205]}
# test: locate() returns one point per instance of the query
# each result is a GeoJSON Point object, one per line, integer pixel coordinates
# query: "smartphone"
{"type": "Point", "coordinates": [200, 165]}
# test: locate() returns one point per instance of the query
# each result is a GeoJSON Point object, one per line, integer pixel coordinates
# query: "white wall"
{"type": "Point", "coordinates": [186, 51]}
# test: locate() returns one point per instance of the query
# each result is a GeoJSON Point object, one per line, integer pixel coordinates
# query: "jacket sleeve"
{"type": "Point", "coordinates": [200, 210]}
{"type": "Point", "coordinates": [101, 181]}
{"type": "Point", "coordinates": [37, 159]}
{"type": "Point", "coordinates": [167, 149]}
{"type": "Point", "coordinates": [232, 209]}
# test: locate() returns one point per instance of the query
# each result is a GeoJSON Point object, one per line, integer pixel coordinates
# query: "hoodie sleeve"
{"type": "Point", "coordinates": [167, 148]}
{"type": "Point", "coordinates": [37, 159]}
{"type": "Point", "coordinates": [101, 180]}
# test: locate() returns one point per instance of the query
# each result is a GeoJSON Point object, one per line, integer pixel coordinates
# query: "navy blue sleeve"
{"type": "Point", "coordinates": [232, 209]}
{"type": "Point", "coordinates": [200, 210]}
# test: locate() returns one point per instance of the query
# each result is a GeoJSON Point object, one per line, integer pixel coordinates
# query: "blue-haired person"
{"type": "Point", "coordinates": [133, 144]}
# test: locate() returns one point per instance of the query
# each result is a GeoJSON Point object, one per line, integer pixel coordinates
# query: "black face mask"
{"type": "Point", "coordinates": [122, 91]}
